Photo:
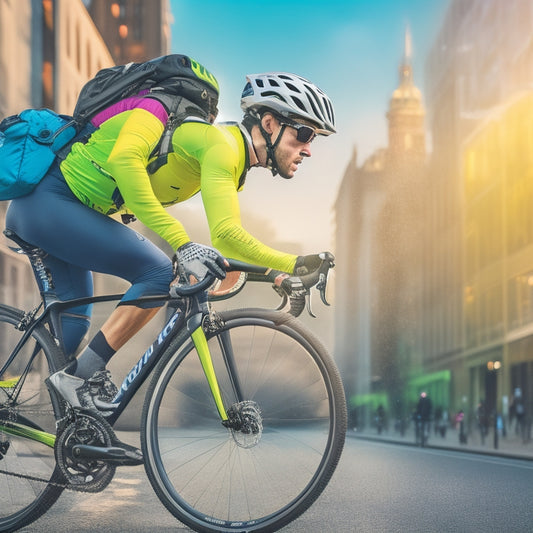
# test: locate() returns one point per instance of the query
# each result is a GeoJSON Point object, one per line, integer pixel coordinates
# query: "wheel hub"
{"type": "Point", "coordinates": [246, 423]}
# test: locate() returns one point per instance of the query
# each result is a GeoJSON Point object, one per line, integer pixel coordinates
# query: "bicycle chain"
{"type": "Point", "coordinates": [42, 480]}
{"type": "Point", "coordinates": [67, 486]}
{"type": "Point", "coordinates": [13, 418]}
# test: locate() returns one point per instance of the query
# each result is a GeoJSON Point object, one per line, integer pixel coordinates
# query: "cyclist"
{"type": "Point", "coordinates": [67, 215]}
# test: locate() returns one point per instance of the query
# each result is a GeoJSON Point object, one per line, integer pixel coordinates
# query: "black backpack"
{"type": "Point", "coordinates": [31, 140]}
{"type": "Point", "coordinates": [182, 85]}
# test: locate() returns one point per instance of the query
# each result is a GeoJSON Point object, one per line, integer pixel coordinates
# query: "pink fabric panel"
{"type": "Point", "coordinates": [153, 106]}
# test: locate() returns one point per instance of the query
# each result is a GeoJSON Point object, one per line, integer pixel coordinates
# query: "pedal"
{"type": "Point", "coordinates": [109, 454]}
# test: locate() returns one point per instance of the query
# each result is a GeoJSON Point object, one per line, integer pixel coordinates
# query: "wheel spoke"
{"type": "Point", "coordinates": [26, 408]}
{"type": "Point", "coordinates": [211, 476]}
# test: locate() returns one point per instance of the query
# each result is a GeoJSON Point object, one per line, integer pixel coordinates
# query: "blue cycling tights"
{"type": "Point", "coordinates": [79, 240]}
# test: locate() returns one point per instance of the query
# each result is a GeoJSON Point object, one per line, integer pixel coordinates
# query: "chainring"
{"type": "Point", "coordinates": [84, 427]}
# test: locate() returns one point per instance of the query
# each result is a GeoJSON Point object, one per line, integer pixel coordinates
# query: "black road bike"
{"type": "Point", "coordinates": [243, 422]}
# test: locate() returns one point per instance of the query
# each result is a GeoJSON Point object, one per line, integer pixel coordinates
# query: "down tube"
{"type": "Point", "coordinates": [138, 374]}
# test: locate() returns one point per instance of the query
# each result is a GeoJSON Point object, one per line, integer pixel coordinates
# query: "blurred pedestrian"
{"type": "Point", "coordinates": [482, 420]}
{"type": "Point", "coordinates": [520, 414]}
{"type": "Point", "coordinates": [380, 418]}
{"type": "Point", "coordinates": [423, 412]}
{"type": "Point", "coordinates": [460, 424]}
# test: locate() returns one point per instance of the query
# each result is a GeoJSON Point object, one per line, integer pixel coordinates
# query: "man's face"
{"type": "Point", "coordinates": [290, 152]}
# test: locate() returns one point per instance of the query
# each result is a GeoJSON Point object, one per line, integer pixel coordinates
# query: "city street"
{"type": "Point", "coordinates": [378, 487]}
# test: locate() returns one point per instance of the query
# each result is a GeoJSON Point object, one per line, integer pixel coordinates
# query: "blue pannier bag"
{"type": "Point", "coordinates": [29, 143]}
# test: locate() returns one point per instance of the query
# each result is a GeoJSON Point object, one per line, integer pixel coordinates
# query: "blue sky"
{"type": "Point", "coordinates": [351, 50]}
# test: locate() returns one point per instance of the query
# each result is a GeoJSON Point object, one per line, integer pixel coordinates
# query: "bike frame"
{"type": "Point", "coordinates": [189, 315]}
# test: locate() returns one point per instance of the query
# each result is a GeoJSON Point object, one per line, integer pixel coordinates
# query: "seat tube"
{"type": "Point", "coordinates": [194, 326]}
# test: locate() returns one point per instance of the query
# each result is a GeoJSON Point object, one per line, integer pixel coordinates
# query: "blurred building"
{"type": "Point", "coordinates": [16, 38]}
{"type": "Point", "coordinates": [436, 287]}
{"type": "Point", "coordinates": [379, 278]}
{"type": "Point", "coordinates": [478, 322]}
{"type": "Point", "coordinates": [48, 50]}
{"type": "Point", "coordinates": [134, 30]}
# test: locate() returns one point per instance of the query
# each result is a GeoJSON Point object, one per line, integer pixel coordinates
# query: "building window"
{"type": "Point", "coordinates": [137, 18]}
{"type": "Point", "coordinates": [89, 61]}
{"type": "Point", "coordinates": [521, 300]}
{"type": "Point", "coordinates": [78, 47]}
{"type": "Point", "coordinates": [68, 45]}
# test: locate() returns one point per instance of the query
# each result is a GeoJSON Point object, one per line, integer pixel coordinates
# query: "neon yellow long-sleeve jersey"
{"type": "Point", "coordinates": [109, 174]}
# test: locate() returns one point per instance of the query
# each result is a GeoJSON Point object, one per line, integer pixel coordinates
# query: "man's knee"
{"type": "Point", "coordinates": [154, 281]}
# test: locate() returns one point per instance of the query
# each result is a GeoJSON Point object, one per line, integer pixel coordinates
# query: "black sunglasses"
{"type": "Point", "coordinates": [304, 134]}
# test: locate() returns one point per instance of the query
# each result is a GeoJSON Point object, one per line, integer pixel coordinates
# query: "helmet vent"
{"type": "Point", "coordinates": [329, 108]}
{"type": "Point", "coordinates": [315, 102]}
{"type": "Point", "coordinates": [260, 83]}
{"type": "Point", "coordinates": [316, 111]}
{"type": "Point", "coordinates": [293, 87]}
{"type": "Point", "coordinates": [274, 94]}
{"type": "Point", "coordinates": [299, 103]}
{"type": "Point", "coordinates": [273, 83]}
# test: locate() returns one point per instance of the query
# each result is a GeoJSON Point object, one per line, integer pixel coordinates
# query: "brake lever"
{"type": "Point", "coordinates": [284, 302]}
{"type": "Point", "coordinates": [308, 304]}
{"type": "Point", "coordinates": [321, 287]}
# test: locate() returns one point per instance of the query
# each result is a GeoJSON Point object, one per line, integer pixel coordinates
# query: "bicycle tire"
{"type": "Point", "coordinates": [23, 500]}
{"type": "Point", "coordinates": [198, 468]}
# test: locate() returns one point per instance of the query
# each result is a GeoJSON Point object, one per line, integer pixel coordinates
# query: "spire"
{"type": "Point", "coordinates": [406, 68]}
{"type": "Point", "coordinates": [406, 92]}
{"type": "Point", "coordinates": [408, 45]}
{"type": "Point", "coordinates": [406, 111]}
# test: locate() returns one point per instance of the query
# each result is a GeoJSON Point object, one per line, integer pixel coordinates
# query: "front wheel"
{"type": "Point", "coordinates": [279, 381]}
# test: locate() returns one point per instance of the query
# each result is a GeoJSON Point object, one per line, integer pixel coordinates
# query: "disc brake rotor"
{"type": "Point", "coordinates": [246, 423]}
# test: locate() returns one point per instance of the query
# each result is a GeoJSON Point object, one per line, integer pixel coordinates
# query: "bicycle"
{"type": "Point", "coordinates": [243, 422]}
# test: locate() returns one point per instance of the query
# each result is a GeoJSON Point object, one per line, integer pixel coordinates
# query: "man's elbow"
{"type": "Point", "coordinates": [220, 243]}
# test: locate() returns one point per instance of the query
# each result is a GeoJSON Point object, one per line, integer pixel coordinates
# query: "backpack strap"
{"type": "Point", "coordinates": [180, 110]}
{"type": "Point", "coordinates": [82, 136]}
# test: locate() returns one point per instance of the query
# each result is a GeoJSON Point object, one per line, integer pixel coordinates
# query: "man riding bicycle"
{"type": "Point", "coordinates": [67, 214]}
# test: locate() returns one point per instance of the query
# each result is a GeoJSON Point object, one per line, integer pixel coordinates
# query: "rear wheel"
{"type": "Point", "coordinates": [288, 417]}
{"type": "Point", "coordinates": [28, 471]}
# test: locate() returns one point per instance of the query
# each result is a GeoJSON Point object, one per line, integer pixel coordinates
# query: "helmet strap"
{"type": "Point", "coordinates": [271, 162]}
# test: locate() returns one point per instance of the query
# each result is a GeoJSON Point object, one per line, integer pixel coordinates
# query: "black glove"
{"type": "Point", "coordinates": [305, 264]}
{"type": "Point", "coordinates": [198, 260]}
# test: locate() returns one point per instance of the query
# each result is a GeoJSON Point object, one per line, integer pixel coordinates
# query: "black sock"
{"type": "Point", "coordinates": [100, 346]}
{"type": "Point", "coordinates": [94, 357]}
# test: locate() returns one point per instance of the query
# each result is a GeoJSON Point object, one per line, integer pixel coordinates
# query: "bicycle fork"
{"type": "Point", "coordinates": [194, 326]}
{"type": "Point", "coordinates": [244, 417]}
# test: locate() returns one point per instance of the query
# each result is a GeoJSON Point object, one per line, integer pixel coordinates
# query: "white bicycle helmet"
{"type": "Point", "coordinates": [290, 96]}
